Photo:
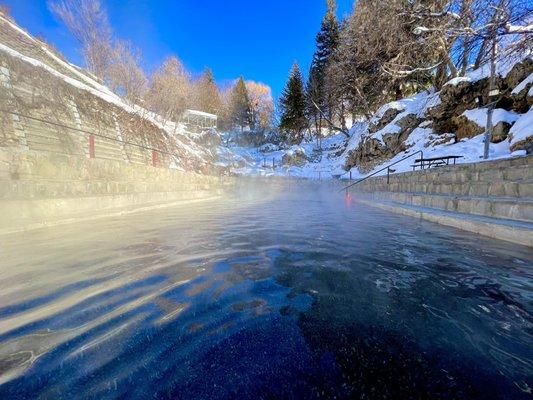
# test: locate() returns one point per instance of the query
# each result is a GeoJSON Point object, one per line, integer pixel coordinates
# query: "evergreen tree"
{"type": "Point", "coordinates": [240, 105]}
{"type": "Point", "coordinates": [327, 41]}
{"type": "Point", "coordinates": [208, 95]}
{"type": "Point", "coordinates": [293, 105]}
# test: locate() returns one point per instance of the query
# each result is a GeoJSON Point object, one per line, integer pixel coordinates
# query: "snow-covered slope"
{"type": "Point", "coordinates": [445, 123]}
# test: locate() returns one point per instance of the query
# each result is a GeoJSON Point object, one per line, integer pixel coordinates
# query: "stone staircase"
{"type": "Point", "coordinates": [492, 198]}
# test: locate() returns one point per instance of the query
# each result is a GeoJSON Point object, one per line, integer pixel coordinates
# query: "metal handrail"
{"type": "Point", "coordinates": [382, 169]}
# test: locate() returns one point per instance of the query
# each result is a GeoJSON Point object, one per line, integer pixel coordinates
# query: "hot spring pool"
{"type": "Point", "coordinates": [266, 294]}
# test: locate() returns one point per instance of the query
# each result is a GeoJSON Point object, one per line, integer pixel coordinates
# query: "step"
{"type": "Point", "coordinates": [453, 175]}
{"type": "Point", "coordinates": [523, 189]}
{"type": "Point", "coordinates": [493, 207]}
{"type": "Point", "coordinates": [495, 188]}
{"type": "Point", "coordinates": [512, 231]}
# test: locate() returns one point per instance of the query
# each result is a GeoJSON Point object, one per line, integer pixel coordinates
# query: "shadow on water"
{"type": "Point", "coordinates": [297, 294]}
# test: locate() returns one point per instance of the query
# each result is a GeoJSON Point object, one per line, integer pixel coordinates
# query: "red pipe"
{"type": "Point", "coordinates": [91, 147]}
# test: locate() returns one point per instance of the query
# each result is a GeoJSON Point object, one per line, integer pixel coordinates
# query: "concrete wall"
{"type": "Point", "coordinates": [491, 198]}
{"type": "Point", "coordinates": [39, 188]}
{"type": "Point", "coordinates": [507, 178]}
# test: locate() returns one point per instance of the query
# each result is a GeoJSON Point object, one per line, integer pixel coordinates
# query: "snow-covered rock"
{"type": "Point", "coordinates": [295, 156]}
{"type": "Point", "coordinates": [521, 133]}
{"type": "Point", "coordinates": [473, 122]}
{"type": "Point", "coordinates": [268, 148]}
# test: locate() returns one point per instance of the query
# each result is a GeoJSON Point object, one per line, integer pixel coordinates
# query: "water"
{"type": "Point", "coordinates": [267, 294]}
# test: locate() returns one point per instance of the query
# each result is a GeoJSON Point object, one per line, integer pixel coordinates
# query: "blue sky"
{"type": "Point", "coordinates": [256, 38]}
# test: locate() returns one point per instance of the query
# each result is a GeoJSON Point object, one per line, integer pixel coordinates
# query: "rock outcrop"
{"type": "Point", "coordinates": [462, 94]}
{"type": "Point", "coordinates": [388, 116]}
{"type": "Point", "coordinates": [455, 113]}
{"type": "Point", "coordinates": [295, 157]}
{"type": "Point", "coordinates": [372, 151]}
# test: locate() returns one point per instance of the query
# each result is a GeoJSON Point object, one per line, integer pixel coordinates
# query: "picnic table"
{"type": "Point", "coordinates": [427, 163]}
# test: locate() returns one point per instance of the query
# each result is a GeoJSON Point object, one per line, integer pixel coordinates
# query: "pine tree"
{"type": "Point", "coordinates": [327, 41]}
{"type": "Point", "coordinates": [208, 95]}
{"type": "Point", "coordinates": [240, 105]}
{"type": "Point", "coordinates": [293, 105]}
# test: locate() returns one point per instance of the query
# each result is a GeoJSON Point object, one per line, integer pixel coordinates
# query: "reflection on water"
{"type": "Point", "coordinates": [297, 294]}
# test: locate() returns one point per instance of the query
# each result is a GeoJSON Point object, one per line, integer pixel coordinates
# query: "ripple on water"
{"type": "Point", "coordinates": [294, 295]}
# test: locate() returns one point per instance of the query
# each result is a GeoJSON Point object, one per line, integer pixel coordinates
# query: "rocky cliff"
{"type": "Point", "coordinates": [454, 114]}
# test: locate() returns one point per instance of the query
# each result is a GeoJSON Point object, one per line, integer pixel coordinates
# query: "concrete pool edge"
{"type": "Point", "coordinates": [510, 231]}
{"type": "Point", "coordinates": [28, 226]}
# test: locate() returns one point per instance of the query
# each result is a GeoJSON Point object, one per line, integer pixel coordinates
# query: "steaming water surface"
{"type": "Point", "coordinates": [276, 293]}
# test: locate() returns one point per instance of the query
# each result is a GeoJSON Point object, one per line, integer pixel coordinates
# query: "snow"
{"type": "Point", "coordinates": [523, 128]}
{"type": "Point", "coordinates": [200, 114]}
{"type": "Point", "coordinates": [519, 28]}
{"type": "Point", "coordinates": [391, 128]}
{"type": "Point", "coordinates": [255, 162]}
{"type": "Point", "coordinates": [16, 28]}
{"type": "Point", "coordinates": [75, 70]}
{"type": "Point", "coordinates": [414, 105]}
{"type": "Point", "coordinates": [328, 166]}
{"type": "Point", "coordinates": [395, 105]}
{"type": "Point", "coordinates": [479, 116]}
{"type": "Point", "coordinates": [523, 85]}
{"type": "Point", "coordinates": [458, 80]}
{"type": "Point", "coordinates": [328, 163]}
{"type": "Point", "coordinates": [470, 149]}
{"type": "Point", "coordinates": [504, 65]}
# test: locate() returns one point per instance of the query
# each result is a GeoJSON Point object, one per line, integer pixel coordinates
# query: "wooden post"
{"type": "Point", "coordinates": [92, 153]}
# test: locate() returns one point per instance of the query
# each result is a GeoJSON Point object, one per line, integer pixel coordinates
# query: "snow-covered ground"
{"type": "Point", "coordinates": [251, 161]}
{"type": "Point", "coordinates": [329, 161]}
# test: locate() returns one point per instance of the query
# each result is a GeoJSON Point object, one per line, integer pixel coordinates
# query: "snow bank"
{"type": "Point", "coordinates": [413, 105]}
{"type": "Point", "coordinates": [523, 85]}
{"type": "Point", "coordinates": [523, 128]}
{"type": "Point", "coordinates": [479, 116]}
{"type": "Point", "coordinates": [503, 66]}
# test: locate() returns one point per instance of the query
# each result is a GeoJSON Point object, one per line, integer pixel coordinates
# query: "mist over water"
{"type": "Point", "coordinates": [275, 292]}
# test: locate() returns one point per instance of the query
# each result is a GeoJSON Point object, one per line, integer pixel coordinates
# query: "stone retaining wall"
{"type": "Point", "coordinates": [43, 188]}
{"type": "Point", "coordinates": [492, 198]}
{"type": "Point", "coordinates": [508, 177]}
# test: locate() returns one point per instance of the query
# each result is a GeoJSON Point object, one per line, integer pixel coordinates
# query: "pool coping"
{"type": "Point", "coordinates": [518, 232]}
